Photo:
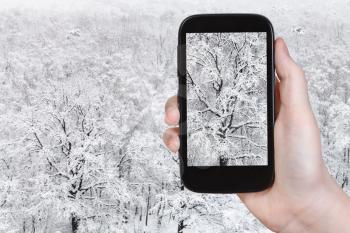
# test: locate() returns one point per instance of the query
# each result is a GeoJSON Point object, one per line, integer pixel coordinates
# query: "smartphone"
{"type": "Point", "coordinates": [226, 102]}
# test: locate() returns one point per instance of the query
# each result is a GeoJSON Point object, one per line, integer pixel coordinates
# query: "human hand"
{"type": "Point", "coordinates": [304, 197]}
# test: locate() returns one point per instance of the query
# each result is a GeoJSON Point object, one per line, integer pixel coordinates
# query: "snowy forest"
{"type": "Point", "coordinates": [83, 88]}
{"type": "Point", "coordinates": [226, 99]}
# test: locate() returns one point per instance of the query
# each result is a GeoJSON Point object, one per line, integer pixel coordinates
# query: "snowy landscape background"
{"type": "Point", "coordinates": [83, 87]}
{"type": "Point", "coordinates": [226, 78]}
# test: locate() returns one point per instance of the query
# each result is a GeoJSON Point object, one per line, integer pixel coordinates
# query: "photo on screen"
{"type": "Point", "coordinates": [226, 99]}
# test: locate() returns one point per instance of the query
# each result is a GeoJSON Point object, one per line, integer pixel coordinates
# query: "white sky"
{"type": "Point", "coordinates": [341, 7]}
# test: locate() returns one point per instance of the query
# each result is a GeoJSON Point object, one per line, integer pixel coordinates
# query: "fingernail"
{"type": "Point", "coordinates": [173, 114]}
{"type": "Point", "coordinates": [174, 111]}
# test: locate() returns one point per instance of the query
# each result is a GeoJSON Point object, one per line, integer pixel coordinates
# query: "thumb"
{"type": "Point", "coordinates": [293, 85]}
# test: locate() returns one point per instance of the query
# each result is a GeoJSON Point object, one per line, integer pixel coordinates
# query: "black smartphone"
{"type": "Point", "coordinates": [226, 102]}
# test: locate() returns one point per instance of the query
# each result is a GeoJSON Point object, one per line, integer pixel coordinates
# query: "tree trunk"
{"type": "Point", "coordinates": [181, 225]}
{"type": "Point", "coordinates": [223, 160]}
{"type": "Point", "coordinates": [140, 213]}
{"type": "Point", "coordinates": [75, 222]}
{"type": "Point", "coordinates": [159, 212]}
{"type": "Point", "coordinates": [33, 224]}
{"type": "Point", "coordinates": [148, 204]}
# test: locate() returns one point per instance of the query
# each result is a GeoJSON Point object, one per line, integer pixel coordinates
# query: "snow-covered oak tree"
{"type": "Point", "coordinates": [226, 92]}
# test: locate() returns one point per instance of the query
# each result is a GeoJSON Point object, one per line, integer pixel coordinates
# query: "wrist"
{"type": "Point", "coordinates": [328, 212]}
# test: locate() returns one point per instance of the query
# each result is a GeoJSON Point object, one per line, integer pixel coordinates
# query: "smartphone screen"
{"type": "Point", "coordinates": [226, 102]}
{"type": "Point", "coordinates": [226, 79]}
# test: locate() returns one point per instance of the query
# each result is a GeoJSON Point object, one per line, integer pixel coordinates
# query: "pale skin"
{"type": "Point", "coordinates": [304, 196]}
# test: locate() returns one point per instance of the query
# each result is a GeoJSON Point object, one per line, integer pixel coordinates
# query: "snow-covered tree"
{"type": "Point", "coordinates": [226, 92]}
